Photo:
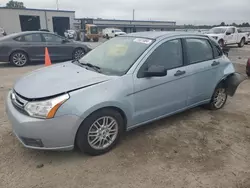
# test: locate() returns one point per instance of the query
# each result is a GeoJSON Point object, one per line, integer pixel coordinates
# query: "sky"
{"type": "Point", "coordinates": [182, 11]}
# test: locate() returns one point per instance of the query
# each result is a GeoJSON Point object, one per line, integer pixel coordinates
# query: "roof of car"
{"type": "Point", "coordinates": [158, 34]}
{"type": "Point", "coordinates": [13, 35]}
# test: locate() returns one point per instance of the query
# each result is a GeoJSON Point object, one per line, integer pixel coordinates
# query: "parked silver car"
{"type": "Point", "coordinates": [123, 83]}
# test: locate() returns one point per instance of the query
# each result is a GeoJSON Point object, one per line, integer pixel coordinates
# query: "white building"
{"type": "Point", "coordinates": [17, 20]}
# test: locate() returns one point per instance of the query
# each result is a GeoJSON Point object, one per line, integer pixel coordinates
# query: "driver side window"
{"type": "Point", "coordinates": [231, 30]}
{"type": "Point", "coordinates": [52, 38]}
{"type": "Point", "coordinates": [168, 54]}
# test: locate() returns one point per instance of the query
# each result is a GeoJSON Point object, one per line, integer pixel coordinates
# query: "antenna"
{"type": "Point", "coordinates": [57, 5]}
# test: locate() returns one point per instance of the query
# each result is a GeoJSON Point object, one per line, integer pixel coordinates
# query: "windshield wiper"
{"type": "Point", "coordinates": [96, 68]}
{"type": "Point", "coordinates": [92, 66]}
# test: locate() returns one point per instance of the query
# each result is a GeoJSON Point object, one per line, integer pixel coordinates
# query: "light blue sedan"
{"type": "Point", "coordinates": [126, 82]}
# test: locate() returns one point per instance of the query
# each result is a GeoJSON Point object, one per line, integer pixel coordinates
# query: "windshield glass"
{"type": "Point", "coordinates": [217, 30]}
{"type": "Point", "coordinates": [117, 55]}
{"type": "Point", "coordinates": [93, 30]}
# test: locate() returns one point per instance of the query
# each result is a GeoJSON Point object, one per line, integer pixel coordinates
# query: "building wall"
{"type": "Point", "coordinates": [10, 22]}
{"type": "Point", "coordinates": [9, 19]}
{"type": "Point", "coordinates": [51, 14]}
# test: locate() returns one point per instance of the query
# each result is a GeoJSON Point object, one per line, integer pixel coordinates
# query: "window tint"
{"type": "Point", "coordinates": [217, 49]}
{"type": "Point", "coordinates": [52, 38]}
{"type": "Point", "coordinates": [198, 50]}
{"type": "Point", "coordinates": [231, 30]}
{"type": "Point", "coordinates": [32, 38]}
{"type": "Point", "coordinates": [168, 54]}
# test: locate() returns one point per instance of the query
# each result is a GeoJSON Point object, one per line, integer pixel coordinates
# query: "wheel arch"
{"type": "Point", "coordinates": [231, 82]}
{"type": "Point", "coordinates": [118, 109]}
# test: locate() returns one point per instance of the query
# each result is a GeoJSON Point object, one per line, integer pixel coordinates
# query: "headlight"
{"type": "Point", "coordinates": [215, 38]}
{"type": "Point", "coordinates": [47, 108]}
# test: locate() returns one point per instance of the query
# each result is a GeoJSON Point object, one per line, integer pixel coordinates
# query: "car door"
{"type": "Point", "coordinates": [33, 45]}
{"type": "Point", "coordinates": [203, 70]}
{"type": "Point", "coordinates": [156, 97]}
{"type": "Point", "coordinates": [230, 36]}
{"type": "Point", "coordinates": [58, 49]}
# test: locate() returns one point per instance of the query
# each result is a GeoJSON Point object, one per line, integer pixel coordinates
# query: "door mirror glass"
{"type": "Point", "coordinates": [155, 71]}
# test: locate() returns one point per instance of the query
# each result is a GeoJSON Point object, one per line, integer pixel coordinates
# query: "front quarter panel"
{"type": "Point", "coordinates": [113, 93]}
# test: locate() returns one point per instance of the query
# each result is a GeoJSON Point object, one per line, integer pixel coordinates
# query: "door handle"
{"type": "Point", "coordinates": [215, 63]}
{"type": "Point", "coordinates": [179, 73]}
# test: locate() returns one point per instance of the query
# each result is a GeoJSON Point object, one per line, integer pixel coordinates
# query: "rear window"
{"type": "Point", "coordinates": [198, 50]}
{"type": "Point", "coordinates": [18, 38]}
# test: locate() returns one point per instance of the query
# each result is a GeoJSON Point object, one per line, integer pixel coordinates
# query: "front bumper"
{"type": "Point", "coordinates": [50, 134]}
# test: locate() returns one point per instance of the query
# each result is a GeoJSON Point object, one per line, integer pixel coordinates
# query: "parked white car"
{"type": "Point", "coordinates": [70, 34]}
{"type": "Point", "coordinates": [228, 35]}
{"type": "Point", "coordinates": [112, 32]}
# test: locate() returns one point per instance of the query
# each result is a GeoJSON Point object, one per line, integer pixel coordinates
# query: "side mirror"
{"type": "Point", "coordinates": [65, 41]}
{"type": "Point", "coordinates": [228, 33]}
{"type": "Point", "coordinates": [225, 50]}
{"type": "Point", "coordinates": [155, 71]}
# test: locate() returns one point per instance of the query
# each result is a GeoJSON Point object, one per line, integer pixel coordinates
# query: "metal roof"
{"type": "Point", "coordinates": [32, 9]}
{"type": "Point", "coordinates": [118, 20]}
{"type": "Point", "coordinates": [157, 34]}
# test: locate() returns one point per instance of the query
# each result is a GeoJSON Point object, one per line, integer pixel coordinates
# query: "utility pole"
{"type": "Point", "coordinates": [133, 14]}
{"type": "Point", "coordinates": [57, 5]}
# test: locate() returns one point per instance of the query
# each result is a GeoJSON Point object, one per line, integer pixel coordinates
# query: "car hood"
{"type": "Point", "coordinates": [214, 35]}
{"type": "Point", "coordinates": [57, 79]}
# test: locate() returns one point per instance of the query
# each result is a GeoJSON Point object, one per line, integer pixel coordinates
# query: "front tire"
{"type": "Point", "coordinates": [78, 53]}
{"type": "Point", "coordinates": [19, 59]}
{"type": "Point", "coordinates": [100, 132]}
{"type": "Point", "coordinates": [242, 42]}
{"type": "Point", "coordinates": [218, 99]}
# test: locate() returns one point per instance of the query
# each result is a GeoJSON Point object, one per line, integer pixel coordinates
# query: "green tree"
{"type": "Point", "coordinates": [15, 4]}
{"type": "Point", "coordinates": [222, 24]}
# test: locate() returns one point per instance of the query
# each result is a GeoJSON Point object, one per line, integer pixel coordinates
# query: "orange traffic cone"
{"type": "Point", "coordinates": [47, 57]}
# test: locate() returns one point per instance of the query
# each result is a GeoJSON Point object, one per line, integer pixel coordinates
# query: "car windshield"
{"type": "Point", "coordinates": [217, 30]}
{"type": "Point", "coordinates": [117, 55]}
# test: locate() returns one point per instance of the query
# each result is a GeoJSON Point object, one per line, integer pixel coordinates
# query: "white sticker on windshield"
{"type": "Point", "coordinates": [144, 41]}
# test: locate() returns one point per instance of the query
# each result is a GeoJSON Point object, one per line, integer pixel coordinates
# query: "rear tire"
{"type": "Point", "coordinates": [242, 42]}
{"type": "Point", "coordinates": [98, 135]}
{"type": "Point", "coordinates": [19, 58]}
{"type": "Point", "coordinates": [107, 37]}
{"type": "Point", "coordinates": [96, 39]}
{"type": "Point", "coordinates": [218, 99]}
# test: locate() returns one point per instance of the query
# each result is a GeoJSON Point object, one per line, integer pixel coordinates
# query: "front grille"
{"type": "Point", "coordinates": [18, 102]}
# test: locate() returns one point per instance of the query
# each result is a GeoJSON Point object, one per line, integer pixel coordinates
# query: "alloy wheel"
{"type": "Point", "coordinates": [103, 132]}
{"type": "Point", "coordinates": [19, 59]}
{"type": "Point", "coordinates": [220, 98]}
{"type": "Point", "coordinates": [78, 54]}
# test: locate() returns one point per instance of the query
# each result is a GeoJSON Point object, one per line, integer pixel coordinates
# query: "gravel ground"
{"type": "Point", "coordinates": [197, 148]}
